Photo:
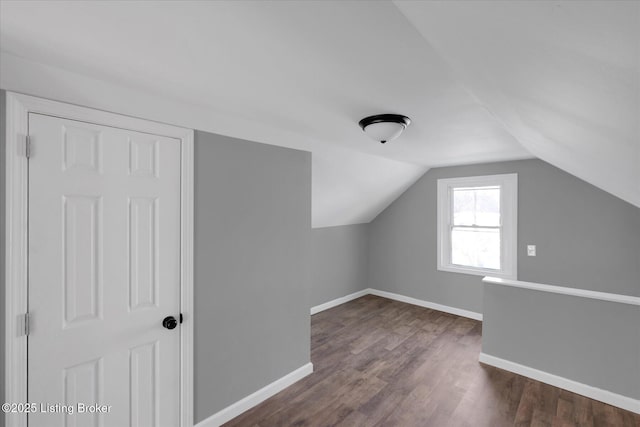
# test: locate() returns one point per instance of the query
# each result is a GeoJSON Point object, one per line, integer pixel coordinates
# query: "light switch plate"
{"type": "Point", "coordinates": [531, 250]}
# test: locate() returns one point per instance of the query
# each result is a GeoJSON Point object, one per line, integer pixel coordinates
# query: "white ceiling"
{"type": "Point", "coordinates": [563, 77]}
{"type": "Point", "coordinates": [564, 84]}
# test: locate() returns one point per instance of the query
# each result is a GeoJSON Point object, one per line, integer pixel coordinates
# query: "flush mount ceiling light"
{"type": "Point", "coordinates": [384, 127]}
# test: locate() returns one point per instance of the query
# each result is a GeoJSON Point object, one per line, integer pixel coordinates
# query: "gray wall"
{"type": "Point", "coordinates": [589, 341]}
{"type": "Point", "coordinates": [585, 237]}
{"type": "Point", "coordinates": [338, 261]}
{"type": "Point", "coordinates": [252, 254]}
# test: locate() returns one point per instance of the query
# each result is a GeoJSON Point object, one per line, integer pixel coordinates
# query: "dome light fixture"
{"type": "Point", "coordinates": [384, 127]}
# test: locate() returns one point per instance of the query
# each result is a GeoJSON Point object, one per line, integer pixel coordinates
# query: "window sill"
{"type": "Point", "coordinates": [477, 272]}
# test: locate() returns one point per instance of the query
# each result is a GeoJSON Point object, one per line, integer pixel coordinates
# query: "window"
{"type": "Point", "coordinates": [477, 225]}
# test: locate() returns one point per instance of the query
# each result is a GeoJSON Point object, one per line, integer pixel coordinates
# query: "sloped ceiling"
{"type": "Point", "coordinates": [562, 77]}
{"type": "Point", "coordinates": [479, 81]}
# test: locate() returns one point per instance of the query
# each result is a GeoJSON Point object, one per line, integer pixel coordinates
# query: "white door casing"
{"type": "Point", "coordinates": [108, 258]}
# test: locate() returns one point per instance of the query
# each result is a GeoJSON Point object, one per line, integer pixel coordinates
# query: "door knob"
{"type": "Point", "coordinates": [170, 322]}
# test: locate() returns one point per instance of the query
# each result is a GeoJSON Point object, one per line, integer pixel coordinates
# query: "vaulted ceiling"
{"type": "Point", "coordinates": [482, 81]}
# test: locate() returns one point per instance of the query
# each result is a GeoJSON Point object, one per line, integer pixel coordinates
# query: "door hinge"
{"type": "Point", "coordinates": [23, 325]}
{"type": "Point", "coordinates": [27, 146]}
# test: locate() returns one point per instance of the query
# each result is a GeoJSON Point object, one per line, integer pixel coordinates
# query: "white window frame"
{"type": "Point", "coordinates": [508, 216]}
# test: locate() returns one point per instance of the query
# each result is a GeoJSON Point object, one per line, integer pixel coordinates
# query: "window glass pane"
{"type": "Point", "coordinates": [463, 206]}
{"type": "Point", "coordinates": [476, 247]}
{"type": "Point", "coordinates": [476, 206]}
{"type": "Point", "coordinates": [488, 206]}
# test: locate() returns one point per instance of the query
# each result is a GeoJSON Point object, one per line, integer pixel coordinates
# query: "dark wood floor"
{"type": "Point", "coordinates": [379, 362]}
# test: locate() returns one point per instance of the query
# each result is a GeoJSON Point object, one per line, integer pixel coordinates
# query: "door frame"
{"type": "Point", "coordinates": [17, 109]}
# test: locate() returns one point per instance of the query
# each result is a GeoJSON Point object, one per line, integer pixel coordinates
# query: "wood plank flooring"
{"type": "Point", "coordinates": [380, 362]}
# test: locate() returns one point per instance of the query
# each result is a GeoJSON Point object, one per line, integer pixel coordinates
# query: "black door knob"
{"type": "Point", "coordinates": [170, 322]}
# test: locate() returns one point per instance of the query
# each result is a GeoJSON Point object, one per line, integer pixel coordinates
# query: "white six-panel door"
{"type": "Point", "coordinates": [104, 271]}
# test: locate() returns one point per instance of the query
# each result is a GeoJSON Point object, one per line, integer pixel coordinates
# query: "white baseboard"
{"type": "Point", "coordinates": [605, 396]}
{"type": "Point", "coordinates": [427, 304]}
{"type": "Point", "coordinates": [338, 301]}
{"type": "Point", "coordinates": [243, 405]}
{"type": "Point", "coordinates": [397, 297]}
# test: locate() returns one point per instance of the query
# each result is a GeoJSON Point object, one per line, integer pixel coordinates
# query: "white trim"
{"type": "Point", "coordinates": [576, 292]}
{"type": "Point", "coordinates": [397, 297]}
{"type": "Point", "coordinates": [15, 368]}
{"type": "Point", "coordinates": [186, 277]}
{"type": "Point", "coordinates": [338, 301]}
{"type": "Point", "coordinates": [605, 396]}
{"type": "Point", "coordinates": [508, 216]}
{"type": "Point", "coordinates": [243, 405]}
{"type": "Point", "coordinates": [18, 108]}
{"type": "Point", "coordinates": [466, 270]}
{"type": "Point", "coordinates": [427, 304]}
